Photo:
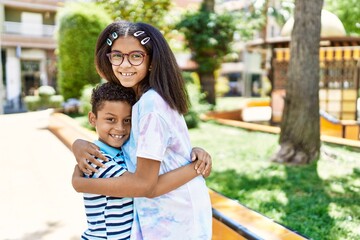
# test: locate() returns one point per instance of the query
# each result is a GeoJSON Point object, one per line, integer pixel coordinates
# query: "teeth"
{"type": "Point", "coordinates": [127, 74]}
{"type": "Point", "coordinates": [117, 136]}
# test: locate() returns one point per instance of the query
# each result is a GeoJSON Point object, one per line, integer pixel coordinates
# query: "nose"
{"type": "Point", "coordinates": [120, 127]}
{"type": "Point", "coordinates": [126, 61]}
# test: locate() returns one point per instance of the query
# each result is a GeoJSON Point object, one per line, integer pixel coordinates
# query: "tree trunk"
{"type": "Point", "coordinates": [300, 126]}
{"type": "Point", "coordinates": [207, 82]}
{"type": "Point", "coordinates": [209, 5]}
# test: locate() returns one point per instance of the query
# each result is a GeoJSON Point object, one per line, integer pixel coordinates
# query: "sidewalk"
{"type": "Point", "coordinates": [37, 200]}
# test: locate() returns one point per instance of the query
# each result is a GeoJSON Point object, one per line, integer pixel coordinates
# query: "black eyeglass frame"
{"type": "Point", "coordinates": [127, 56]}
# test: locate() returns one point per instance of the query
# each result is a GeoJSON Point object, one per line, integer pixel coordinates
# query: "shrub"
{"type": "Point", "coordinates": [79, 27]}
{"type": "Point", "coordinates": [85, 98]}
{"type": "Point", "coordinates": [46, 99]}
{"type": "Point", "coordinates": [32, 103]}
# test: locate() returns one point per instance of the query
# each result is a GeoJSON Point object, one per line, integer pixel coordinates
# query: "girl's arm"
{"type": "Point", "coordinates": [145, 182]}
{"type": "Point", "coordinates": [86, 152]}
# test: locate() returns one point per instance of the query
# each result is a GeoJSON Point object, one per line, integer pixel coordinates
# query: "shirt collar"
{"type": "Point", "coordinates": [108, 149]}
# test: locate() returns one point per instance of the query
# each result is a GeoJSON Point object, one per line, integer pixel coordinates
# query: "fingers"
{"type": "Point", "coordinates": [87, 153]}
{"type": "Point", "coordinates": [203, 166]}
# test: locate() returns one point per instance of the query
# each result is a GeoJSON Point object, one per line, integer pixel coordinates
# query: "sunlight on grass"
{"type": "Point", "coordinates": [320, 200]}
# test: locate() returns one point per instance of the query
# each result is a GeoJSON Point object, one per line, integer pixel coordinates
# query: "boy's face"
{"type": "Point", "coordinates": [113, 122]}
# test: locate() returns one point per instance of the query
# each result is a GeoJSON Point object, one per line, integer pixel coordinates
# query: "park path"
{"type": "Point", "coordinates": [37, 200]}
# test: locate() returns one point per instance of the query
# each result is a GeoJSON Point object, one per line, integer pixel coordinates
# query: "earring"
{"type": "Point", "coordinates": [150, 69]}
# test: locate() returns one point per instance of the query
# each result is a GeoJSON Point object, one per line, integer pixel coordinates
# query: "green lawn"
{"type": "Point", "coordinates": [320, 200]}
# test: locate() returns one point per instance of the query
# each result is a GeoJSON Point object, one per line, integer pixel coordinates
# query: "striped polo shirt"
{"type": "Point", "coordinates": [108, 217]}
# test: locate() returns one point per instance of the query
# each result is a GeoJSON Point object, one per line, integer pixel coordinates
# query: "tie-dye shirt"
{"type": "Point", "coordinates": [161, 134]}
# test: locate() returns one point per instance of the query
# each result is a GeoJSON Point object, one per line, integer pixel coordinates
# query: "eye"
{"type": "Point", "coordinates": [136, 55]}
{"type": "Point", "coordinates": [116, 55]}
{"type": "Point", "coordinates": [110, 119]}
{"type": "Point", "coordinates": [127, 121]}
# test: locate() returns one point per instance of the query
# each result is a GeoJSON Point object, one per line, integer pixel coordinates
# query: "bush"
{"type": "Point", "coordinates": [79, 27]}
{"type": "Point", "coordinates": [32, 103]}
{"type": "Point", "coordinates": [46, 99]}
{"type": "Point", "coordinates": [197, 100]}
{"type": "Point", "coordinates": [85, 98]}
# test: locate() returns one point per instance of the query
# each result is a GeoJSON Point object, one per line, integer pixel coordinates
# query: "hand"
{"type": "Point", "coordinates": [204, 162]}
{"type": "Point", "coordinates": [85, 153]}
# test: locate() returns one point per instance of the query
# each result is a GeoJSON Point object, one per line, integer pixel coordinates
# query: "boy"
{"type": "Point", "coordinates": [110, 217]}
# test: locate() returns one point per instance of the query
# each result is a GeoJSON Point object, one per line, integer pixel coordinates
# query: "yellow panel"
{"type": "Point", "coordinates": [356, 53]}
{"type": "Point", "coordinates": [348, 116]}
{"type": "Point", "coordinates": [347, 54]}
{"type": "Point", "coordinates": [329, 55]}
{"type": "Point", "coordinates": [322, 55]}
{"type": "Point", "coordinates": [352, 132]}
{"type": "Point", "coordinates": [349, 94]}
{"type": "Point", "coordinates": [338, 54]}
{"type": "Point", "coordinates": [279, 55]}
{"type": "Point", "coordinates": [348, 106]}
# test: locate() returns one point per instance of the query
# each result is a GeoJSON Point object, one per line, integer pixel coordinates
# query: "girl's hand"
{"type": "Point", "coordinates": [204, 162]}
{"type": "Point", "coordinates": [85, 153]}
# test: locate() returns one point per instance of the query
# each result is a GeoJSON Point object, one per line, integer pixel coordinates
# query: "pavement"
{"type": "Point", "coordinates": [37, 200]}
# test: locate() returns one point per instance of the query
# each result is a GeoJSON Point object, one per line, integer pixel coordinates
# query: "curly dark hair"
{"type": "Point", "coordinates": [110, 92]}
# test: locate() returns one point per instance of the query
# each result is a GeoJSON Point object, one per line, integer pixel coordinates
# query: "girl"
{"type": "Point", "coordinates": [137, 56]}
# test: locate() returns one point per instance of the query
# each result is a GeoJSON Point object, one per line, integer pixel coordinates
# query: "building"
{"type": "Point", "coordinates": [339, 57]}
{"type": "Point", "coordinates": [27, 48]}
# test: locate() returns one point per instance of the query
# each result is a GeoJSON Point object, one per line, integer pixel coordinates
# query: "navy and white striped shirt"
{"type": "Point", "coordinates": [108, 217]}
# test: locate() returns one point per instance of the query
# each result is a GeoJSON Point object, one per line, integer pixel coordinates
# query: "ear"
{"type": "Point", "coordinates": [92, 119]}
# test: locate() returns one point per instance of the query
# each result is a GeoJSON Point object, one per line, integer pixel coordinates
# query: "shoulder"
{"type": "Point", "coordinates": [151, 101]}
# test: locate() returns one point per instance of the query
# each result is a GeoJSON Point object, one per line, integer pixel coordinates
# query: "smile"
{"type": "Point", "coordinates": [117, 136]}
{"type": "Point", "coordinates": [127, 74]}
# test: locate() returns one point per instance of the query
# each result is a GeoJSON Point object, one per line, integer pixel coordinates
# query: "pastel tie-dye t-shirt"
{"type": "Point", "coordinates": [160, 133]}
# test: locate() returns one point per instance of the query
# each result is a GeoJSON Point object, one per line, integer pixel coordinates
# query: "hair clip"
{"type": "Point", "coordinates": [138, 33]}
{"type": "Point", "coordinates": [114, 36]}
{"type": "Point", "coordinates": [109, 42]}
{"type": "Point", "coordinates": [145, 41]}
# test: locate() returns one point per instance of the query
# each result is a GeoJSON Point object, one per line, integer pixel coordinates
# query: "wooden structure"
{"type": "Point", "coordinates": [339, 77]}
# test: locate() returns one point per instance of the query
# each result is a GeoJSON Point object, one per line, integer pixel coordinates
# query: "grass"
{"type": "Point", "coordinates": [320, 200]}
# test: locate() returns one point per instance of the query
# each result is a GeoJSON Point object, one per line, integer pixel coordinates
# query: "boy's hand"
{"type": "Point", "coordinates": [204, 162]}
{"type": "Point", "coordinates": [85, 153]}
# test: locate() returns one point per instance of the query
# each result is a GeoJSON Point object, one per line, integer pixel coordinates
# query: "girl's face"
{"type": "Point", "coordinates": [113, 123]}
{"type": "Point", "coordinates": [128, 74]}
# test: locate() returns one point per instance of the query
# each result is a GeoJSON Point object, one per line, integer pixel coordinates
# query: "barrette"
{"type": "Point", "coordinates": [114, 36]}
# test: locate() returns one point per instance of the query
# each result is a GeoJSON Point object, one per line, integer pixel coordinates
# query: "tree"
{"type": "Point", "coordinates": [79, 28]}
{"type": "Point", "coordinates": [209, 36]}
{"type": "Point", "coordinates": [348, 11]}
{"type": "Point", "coordinates": [153, 12]}
{"type": "Point", "coordinates": [300, 126]}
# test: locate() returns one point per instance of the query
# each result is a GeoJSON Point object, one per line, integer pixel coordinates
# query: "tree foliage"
{"type": "Point", "coordinates": [348, 11]}
{"type": "Point", "coordinates": [209, 36]}
{"type": "Point", "coordinates": [79, 27]}
{"type": "Point", "coordinates": [153, 12]}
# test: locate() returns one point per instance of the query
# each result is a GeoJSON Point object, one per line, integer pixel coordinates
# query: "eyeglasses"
{"type": "Point", "coordinates": [135, 58]}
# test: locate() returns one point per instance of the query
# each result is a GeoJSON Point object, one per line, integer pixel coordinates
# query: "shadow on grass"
{"type": "Point", "coordinates": [297, 197]}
